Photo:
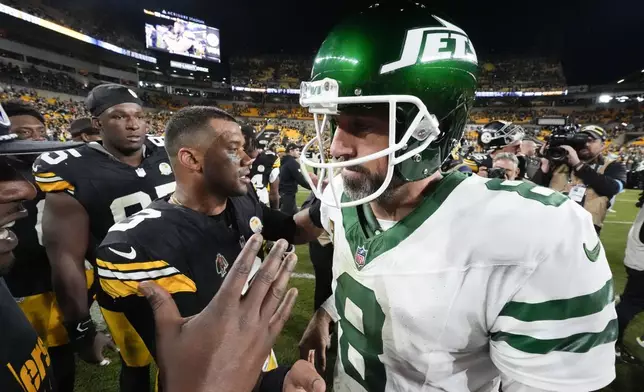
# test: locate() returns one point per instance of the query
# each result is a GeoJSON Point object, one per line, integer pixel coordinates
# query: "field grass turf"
{"type": "Point", "coordinates": [629, 378]}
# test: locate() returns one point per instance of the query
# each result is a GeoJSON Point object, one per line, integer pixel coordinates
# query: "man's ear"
{"type": "Point", "coordinates": [96, 123]}
{"type": "Point", "coordinates": [190, 159]}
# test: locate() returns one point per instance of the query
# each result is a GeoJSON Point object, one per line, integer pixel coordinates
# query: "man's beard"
{"type": "Point", "coordinates": [585, 155]}
{"type": "Point", "coordinates": [368, 184]}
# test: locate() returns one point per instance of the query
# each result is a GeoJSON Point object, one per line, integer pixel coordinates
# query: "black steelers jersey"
{"type": "Point", "coordinates": [184, 251]}
{"type": "Point", "coordinates": [107, 188]}
{"type": "Point", "coordinates": [265, 169]}
{"type": "Point", "coordinates": [31, 273]}
{"type": "Point", "coordinates": [25, 364]}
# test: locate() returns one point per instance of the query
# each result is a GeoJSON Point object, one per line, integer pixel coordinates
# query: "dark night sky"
{"type": "Point", "coordinates": [598, 41]}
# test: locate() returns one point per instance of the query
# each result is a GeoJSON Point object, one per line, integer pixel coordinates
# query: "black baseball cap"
{"type": "Point", "coordinates": [292, 146]}
{"type": "Point", "coordinates": [81, 125]}
{"type": "Point", "coordinates": [10, 145]}
{"type": "Point", "coordinates": [594, 131]}
{"type": "Point", "coordinates": [104, 96]}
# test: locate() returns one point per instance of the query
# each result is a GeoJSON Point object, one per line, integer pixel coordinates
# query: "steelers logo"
{"type": "Point", "coordinates": [256, 225]}
{"type": "Point", "coordinates": [165, 169]}
{"type": "Point", "coordinates": [261, 168]}
{"type": "Point", "coordinates": [486, 137]}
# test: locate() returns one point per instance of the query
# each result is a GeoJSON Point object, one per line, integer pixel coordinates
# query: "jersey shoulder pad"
{"type": "Point", "coordinates": [57, 171]}
{"type": "Point", "coordinates": [138, 249]}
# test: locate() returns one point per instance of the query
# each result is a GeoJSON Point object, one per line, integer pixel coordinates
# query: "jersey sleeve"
{"type": "Point", "coordinates": [122, 266]}
{"type": "Point", "coordinates": [558, 329]}
{"type": "Point", "coordinates": [53, 172]}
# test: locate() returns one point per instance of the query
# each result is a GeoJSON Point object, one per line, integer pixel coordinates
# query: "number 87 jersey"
{"type": "Point", "coordinates": [107, 188]}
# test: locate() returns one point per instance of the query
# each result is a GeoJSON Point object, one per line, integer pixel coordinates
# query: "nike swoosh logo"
{"type": "Point", "coordinates": [593, 254]}
{"type": "Point", "coordinates": [130, 255]}
{"type": "Point", "coordinates": [79, 329]}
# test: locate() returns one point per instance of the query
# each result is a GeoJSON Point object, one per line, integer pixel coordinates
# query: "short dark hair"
{"type": "Point", "coordinates": [16, 107]}
{"type": "Point", "coordinates": [291, 147]}
{"type": "Point", "coordinates": [249, 137]}
{"type": "Point", "coordinates": [189, 121]}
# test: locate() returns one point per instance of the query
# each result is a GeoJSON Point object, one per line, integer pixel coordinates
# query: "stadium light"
{"type": "Point", "coordinates": [620, 81]}
{"type": "Point", "coordinates": [604, 98]}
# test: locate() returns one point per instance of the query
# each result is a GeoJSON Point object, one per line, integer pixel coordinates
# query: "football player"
{"type": "Point", "coordinates": [30, 280]}
{"type": "Point", "coordinates": [265, 176]}
{"type": "Point", "coordinates": [82, 130]}
{"type": "Point", "coordinates": [25, 364]}
{"type": "Point", "coordinates": [88, 190]}
{"type": "Point", "coordinates": [436, 286]}
{"type": "Point", "coordinates": [495, 137]}
{"type": "Point", "coordinates": [187, 242]}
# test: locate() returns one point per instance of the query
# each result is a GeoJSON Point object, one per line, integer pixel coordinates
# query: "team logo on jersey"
{"type": "Point", "coordinates": [261, 168]}
{"type": "Point", "coordinates": [165, 168]}
{"type": "Point", "coordinates": [593, 254]}
{"type": "Point", "coordinates": [361, 256]}
{"type": "Point", "coordinates": [141, 172]}
{"type": "Point", "coordinates": [256, 225]}
{"type": "Point", "coordinates": [222, 265]}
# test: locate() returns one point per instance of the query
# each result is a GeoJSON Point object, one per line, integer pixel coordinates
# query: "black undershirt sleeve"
{"type": "Point", "coordinates": [277, 225]}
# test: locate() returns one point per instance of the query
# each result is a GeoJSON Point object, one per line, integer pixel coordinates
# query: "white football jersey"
{"type": "Point", "coordinates": [486, 281]}
{"type": "Point", "coordinates": [634, 254]}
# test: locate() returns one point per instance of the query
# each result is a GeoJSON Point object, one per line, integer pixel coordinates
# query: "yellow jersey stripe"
{"type": "Point", "coordinates": [45, 175]}
{"type": "Point", "coordinates": [147, 265]}
{"type": "Point", "coordinates": [55, 186]}
{"type": "Point", "coordinates": [172, 284]}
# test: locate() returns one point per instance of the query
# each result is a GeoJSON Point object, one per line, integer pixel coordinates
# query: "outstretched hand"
{"type": "Point", "coordinates": [224, 347]}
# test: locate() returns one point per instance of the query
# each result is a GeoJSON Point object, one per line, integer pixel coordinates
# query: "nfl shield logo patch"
{"type": "Point", "coordinates": [222, 265]}
{"type": "Point", "coordinates": [361, 256]}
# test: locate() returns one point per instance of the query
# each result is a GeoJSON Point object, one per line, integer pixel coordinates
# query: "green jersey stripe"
{"type": "Point", "coordinates": [578, 343]}
{"type": "Point", "coordinates": [561, 309]}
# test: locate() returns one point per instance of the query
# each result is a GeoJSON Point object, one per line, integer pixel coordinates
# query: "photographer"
{"type": "Point", "coordinates": [581, 172]}
{"type": "Point", "coordinates": [505, 165]}
{"type": "Point", "coordinates": [498, 137]}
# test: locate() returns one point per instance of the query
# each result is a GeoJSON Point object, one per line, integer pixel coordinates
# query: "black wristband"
{"type": "Point", "coordinates": [81, 332]}
{"type": "Point", "coordinates": [314, 213]}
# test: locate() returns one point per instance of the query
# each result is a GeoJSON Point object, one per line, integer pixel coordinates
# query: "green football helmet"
{"type": "Point", "coordinates": [423, 68]}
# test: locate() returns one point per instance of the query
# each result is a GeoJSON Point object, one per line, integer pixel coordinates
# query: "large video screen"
{"type": "Point", "coordinates": [181, 35]}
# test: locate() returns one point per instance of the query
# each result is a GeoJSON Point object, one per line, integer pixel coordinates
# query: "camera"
{"type": "Point", "coordinates": [496, 172]}
{"type": "Point", "coordinates": [564, 136]}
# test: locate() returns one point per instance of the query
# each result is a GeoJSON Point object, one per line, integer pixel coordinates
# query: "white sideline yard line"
{"type": "Point", "coordinates": [303, 276]}
{"type": "Point", "coordinates": [619, 222]}
{"type": "Point", "coordinates": [627, 200]}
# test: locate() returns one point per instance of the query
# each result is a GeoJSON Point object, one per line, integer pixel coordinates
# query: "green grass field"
{"type": "Point", "coordinates": [629, 378]}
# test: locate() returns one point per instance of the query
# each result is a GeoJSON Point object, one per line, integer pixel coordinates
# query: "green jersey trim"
{"type": "Point", "coordinates": [367, 240]}
{"type": "Point", "coordinates": [561, 309]}
{"type": "Point", "coordinates": [577, 343]}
